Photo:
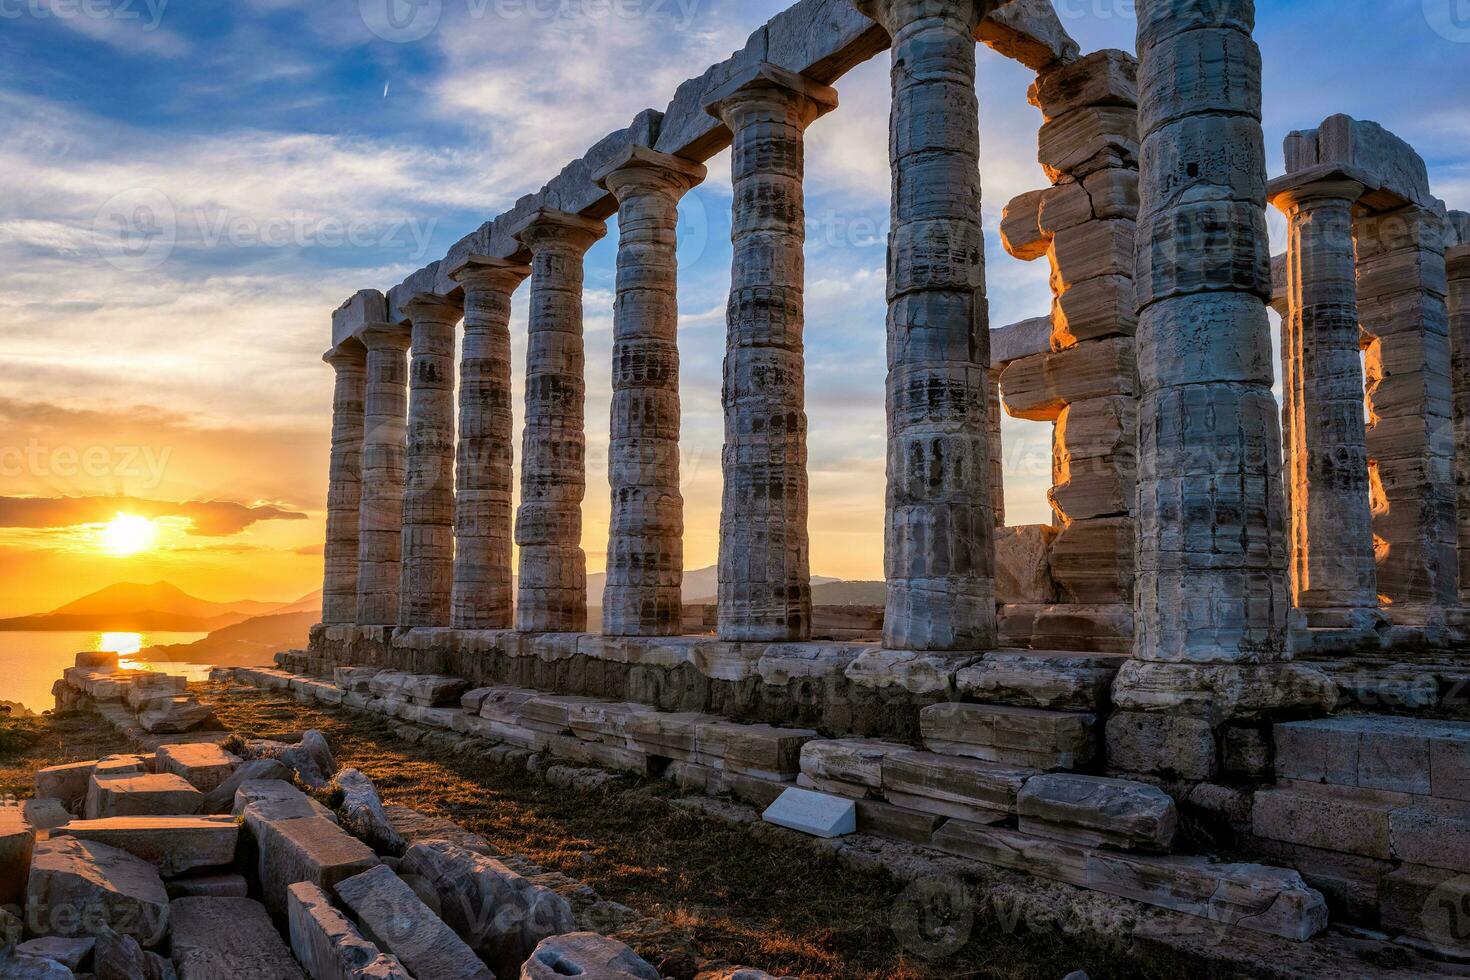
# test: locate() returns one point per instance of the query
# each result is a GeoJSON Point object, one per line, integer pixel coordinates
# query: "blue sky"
{"type": "Point", "coordinates": [301, 156]}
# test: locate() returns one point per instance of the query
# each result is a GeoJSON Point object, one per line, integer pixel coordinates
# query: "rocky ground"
{"type": "Point", "coordinates": [712, 890]}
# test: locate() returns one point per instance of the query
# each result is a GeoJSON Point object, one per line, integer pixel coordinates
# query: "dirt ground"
{"type": "Point", "coordinates": [725, 894]}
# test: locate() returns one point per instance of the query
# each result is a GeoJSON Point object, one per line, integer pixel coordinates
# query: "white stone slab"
{"type": "Point", "coordinates": [813, 813]}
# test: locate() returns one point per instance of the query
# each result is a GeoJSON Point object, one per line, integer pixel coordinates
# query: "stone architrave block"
{"type": "Point", "coordinates": [393, 917]}
{"type": "Point", "coordinates": [586, 954]}
{"type": "Point", "coordinates": [141, 795]}
{"type": "Point", "coordinates": [173, 845]}
{"type": "Point", "coordinates": [75, 884]}
{"type": "Point", "coordinates": [203, 765]}
{"type": "Point", "coordinates": [1097, 811]}
{"type": "Point", "coordinates": [817, 814]}
{"type": "Point", "coordinates": [228, 937]}
{"type": "Point", "coordinates": [327, 943]}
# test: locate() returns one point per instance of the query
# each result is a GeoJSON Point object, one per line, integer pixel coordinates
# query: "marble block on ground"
{"type": "Point", "coordinates": [813, 813]}
{"type": "Point", "coordinates": [215, 938]}
{"type": "Point", "coordinates": [396, 919]}
{"type": "Point", "coordinates": [173, 845]}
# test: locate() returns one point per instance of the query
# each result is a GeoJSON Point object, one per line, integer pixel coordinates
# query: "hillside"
{"type": "Point", "coordinates": [131, 607]}
{"type": "Point", "coordinates": [252, 643]}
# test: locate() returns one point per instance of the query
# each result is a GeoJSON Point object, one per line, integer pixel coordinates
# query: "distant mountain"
{"type": "Point", "coordinates": [252, 643]}
{"type": "Point", "coordinates": [130, 607]}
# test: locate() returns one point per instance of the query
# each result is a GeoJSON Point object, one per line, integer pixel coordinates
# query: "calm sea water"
{"type": "Point", "coordinates": [31, 662]}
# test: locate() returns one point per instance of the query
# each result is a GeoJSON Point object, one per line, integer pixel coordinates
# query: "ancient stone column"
{"type": "Point", "coordinates": [484, 592]}
{"type": "Point", "coordinates": [384, 446]}
{"type": "Point", "coordinates": [1458, 265]}
{"type": "Point", "coordinates": [1402, 293]}
{"type": "Point", "coordinates": [645, 550]}
{"type": "Point", "coordinates": [427, 571]}
{"type": "Point", "coordinates": [552, 590]}
{"type": "Point", "coordinates": [1331, 519]}
{"type": "Point", "coordinates": [939, 519]}
{"type": "Point", "coordinates": [764, 574]}
{"type": "Point", "coordinates": [1212, 583]}
{"type": "Point", "coordinates": [344, 483]}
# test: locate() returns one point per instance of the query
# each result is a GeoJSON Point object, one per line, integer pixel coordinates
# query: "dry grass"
{"type": "Point", "coordinates": [723, 893]}
{"type": "Point", "coordinates": [31, 744]}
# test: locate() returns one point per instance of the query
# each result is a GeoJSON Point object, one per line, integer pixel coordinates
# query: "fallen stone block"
{"type": "Point", "coordinates": [304, 849]}
{"type": "Point", "coordinates": [208, 886]}
{"type": "Point", "coordinates": [500, 914]}
{"type": "Point", "coordinates": [146, 687]}
{"type": "Point", "coordinates": [818, 814]}
{"type": "Point", "coordinates": [391, 915]}
{"type": "Point", "coordinates": [274, 799]}
{"type": "Point", "coordinates": [173, 845]}
{"type": "Point", "coordinates": [71, 953]}
{"type": "Point", "coordinates": [173, 716]}
{"type": "Point", "coordinates": [45, 814]}
{"type": "Point", "coordinates": [327, 943]}
{"type": "Point", "coordinates": [227, 937]}
{"type": "Point", "coordinates": [221, 799]}
{"type": "Point", "coordinates": [1251, 896]}
{"type": "Point", "coordinates": [1046, 740]}
{"type": "Point", "coordinates": [417, 827]}
{"type": "Point", "coordinates": [67, 783]}
{"type": "Point", "coordinates": [142, 795]}
{"type": "Point", "coordinates": [362, 812]}
{"type": "Point", "coordinates": [951, 786]}
{"type": "Point", "coordinates": [75, 885]}
{"type": "Point", "coordinates": [202, 764]}
{"type": "Point", "coordinates": [311, 759]}
{"type": "Point", "coordinates": [17, 844]}
{"type": "Point", "coordinates": [1053, 681]}
{"type": "Point", "coordinates": [1095, 811]}
{"type": "Point", "coordinates": [586, 954]}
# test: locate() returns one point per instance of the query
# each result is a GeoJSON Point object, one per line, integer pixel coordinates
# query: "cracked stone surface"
{"type": "Point", "coordinates": [384, 447]}
{"type": "Point", "coordinates": [344, 483]}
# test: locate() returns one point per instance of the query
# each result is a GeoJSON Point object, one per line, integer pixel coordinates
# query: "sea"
{"type": "Point", "coordinates": [31, 662]}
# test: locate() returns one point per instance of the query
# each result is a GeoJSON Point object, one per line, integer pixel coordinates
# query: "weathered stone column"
{"type": "Point", "coordinates": [1334, 579]}
{"type": "Point", "coordinates": [484, 594]}
{"type": "Point", "coordinates": [552, 591]}
{"type": "Point", "coordinates": [427, 572]}
{"type": "Point", "coordinates": [1402, 292]}
{"type": "Point", "coordinates": [765, 574]}
{"type": "Point", "coordinates": [1212, 598]}
{"type": "Point", "coordinates": [384, 446]}
{"type": "Point", "coordinates": [645, 550]}
{"type": "Point", "coordinates": [344, 483]}
{"type": "Point", "coordinates": [1457, 260]}
{"type": "Point", "coordinates": [939, 520]}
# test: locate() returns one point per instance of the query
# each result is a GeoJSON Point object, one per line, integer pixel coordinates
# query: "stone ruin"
{"type": "Point", "coordinates": [1228, 680]}
{"type": "Point", "coordinates": [1230, 588]}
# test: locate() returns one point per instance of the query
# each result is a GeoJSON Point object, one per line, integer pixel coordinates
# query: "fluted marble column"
{"type": "Point", "coordinates": [427, 574]}
{"type": "Point", "coordinates": [765, 561]}
{"type": "Point", "coordinates": [1457, 259]}
{"type": "Point", "coordinates": [645, 550]}
{"type": "Point", "coordinates": [1332, 561]}
{"type": "Point", "coordinates": [344, 483]}
{"type": "Point", "coordinates": [484, 593]}
{"type": "Point", "coordinates": [384, 446]}
{"type": "Point", "coordinates": [552, 591]}
{"type": "Point", "coordinates": [1212, 576]}
{"type": "Point", "coordinates": [940, 518]}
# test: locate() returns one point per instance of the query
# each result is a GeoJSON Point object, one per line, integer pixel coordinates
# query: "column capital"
{"type": "Point", "coordinates": [351, 353]}
{"type": "Point", "coordinates": [432, 306]}
{"type": "Point", "coordinates": [549, 225]}
{"type": "Point", "coordinates": [384, 336]}
{"type": "Point", "coordinates": [895, 15]}
{"type": "Point", "coordinates": [772, 83]}
{"type": "Point", "coordinates": [488, 272]}
{"type": "Point", "coordinates": [639, 168]}
{"type": "Point", "coordinates": [1317, 186]}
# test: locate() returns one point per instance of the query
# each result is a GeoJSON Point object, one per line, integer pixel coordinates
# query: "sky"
{"type": "Point", "coordinates": [295, 151]}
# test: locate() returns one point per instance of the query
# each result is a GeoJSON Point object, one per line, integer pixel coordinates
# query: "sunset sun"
{"type": "Point", "coordinates": [128, 535]}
